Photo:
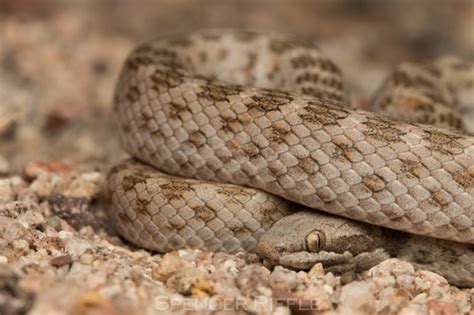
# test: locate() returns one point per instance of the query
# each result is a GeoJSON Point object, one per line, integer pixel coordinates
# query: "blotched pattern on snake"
{"type": "Point", "coordinates": [232, 131]}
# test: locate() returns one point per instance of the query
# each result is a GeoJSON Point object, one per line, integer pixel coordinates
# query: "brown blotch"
{"type": "Point", "coordinates": [382, 129]}
{"type": "Point", "coordinates": [133, 94]}
{"type": "Point", "coordinates": [345, 151]}
{"type": "Point", "coordinates": [140, 205]}
{"type": "Point", "coordinates": [157, 135]}
{"type": "Point", "coordinates": [174, 189]}
{"type": "Point", "coordinates": [164, 53]}
{"type": "Point", "coordinates": [308, 165]}
{"type": "Point", "coordinates": [374, 182]}
{"type": "Point", "coordinates": [134, 62]}
{"type": "Point", "coordinates": [328, 65]}
{"type": "Point", "coordinates": [322, 113]}
{"type": "Point", "coordinates": [332, 83]}
{"type": "Point", "coordinates": [307, 77]}
{"type": "Point", "coordinates": [323, 95]}
{"type": "Point", "coordinates": [414, 167]}
{"type": "Point", "coordinates": [213, 91]}
{"type": "Point", "coordinates": [197, 138]}
{"type": "Point", "coordinates": [465, 179]}
{"type": "Point", "coordinates": [268, 213]}
{"type": "Point", "coordinates": [441, 197]}
{"type": "Point", "coordinates": [232, 191]}
{"type": "Point", "coordinates": [165, 80]}
{"type": "Point", "coordinates": [269, 100]}
{"type": "Point", "coordinates": [280, 45]}
{"type": "Point", "coordinates": [236, 227]}
{"type": "Point", "coordinates": [443, 142]}
{"type": "Point", "coordinates": [391, 211]}
{"type": "Point", "coordinates": [278, 134]}
{"type": "Point", "coordinates": [325, 195]}
{"type": "Point", "coordinates": [230, 124]}
{"type": "Point", "coordinates": [204, 213]}
{"type": "Point", "coordinates": [129, 181]}
{"type": "Point", "coordinates": [175, 110]}
{"type": "Point", "coordinates": [276, 171]}
{"type": "Point", "coordinates": [251, 150]}
{"type": "Point", "coordinates": [124, 217]}
{"type": "Point", "coordinates": [304, 61]}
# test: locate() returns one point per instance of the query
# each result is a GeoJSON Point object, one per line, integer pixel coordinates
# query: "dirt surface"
{"type": "Point", "coordinates": [59, 61]}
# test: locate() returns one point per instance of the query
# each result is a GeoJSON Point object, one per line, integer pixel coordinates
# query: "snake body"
{"type": "Point", "coordinates": [269, 117]}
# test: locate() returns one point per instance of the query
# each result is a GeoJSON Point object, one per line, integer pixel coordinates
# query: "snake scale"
{"type": "Point", "coordinates": [238, 138]}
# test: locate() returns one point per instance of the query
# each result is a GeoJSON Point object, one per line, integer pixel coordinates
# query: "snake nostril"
{"type": "Point", "coordinates": [280, 248]}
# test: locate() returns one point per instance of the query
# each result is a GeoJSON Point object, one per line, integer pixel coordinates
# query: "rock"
{"type": "Point", "coordinates": [13, 300]}
{"type": "Point", "coordinates": [202, 288]}
{"type": "Point", "coordinates": [320, 297]}
{"type": "Point", "coordinates": [168, 266]}
{"type": "Point", "coordinates": [76, 211]}
{"type": "Point", "coordinates": [316, 271]}
{"type": "Point", "coordinates": [283, 278]}
{"type": "Point", "coordinates": [68, 184]}
{"type": "Point", "coordinates": [185, 279]}
{"type": "Point", "coordinates": [357, 298]}
{"type": "Point", "coordinates": [251, 278]}
{"type": "Point", "coordinates": [93, 300]}
{"type": "Point", "coordinates": [437, 307]}
{"type": "Point", "coordinates": [393, 267]}
{"type": "Point", "coordinates": [61, 261]}
{"type": "Point", "coordinates": [9, 188]}
{"type": "Point", "coordinates": [33, 169]}
{"type": "Point", "coordinates": [433, 278]}
{"type": "Point", "coordinates": [52, 222]}
{"type": "Point", "coordinates": [406, 282]}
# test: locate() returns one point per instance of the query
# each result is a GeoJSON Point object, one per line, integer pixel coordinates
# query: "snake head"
{"type": "Point", "coordinates": [300, 240]}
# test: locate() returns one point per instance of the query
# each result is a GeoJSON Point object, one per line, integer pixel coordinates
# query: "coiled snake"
{"type": "Point", "coordinates": [253, 129]}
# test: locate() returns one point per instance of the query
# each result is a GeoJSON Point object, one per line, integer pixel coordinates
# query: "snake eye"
{"type": "Point", "coordinates": [315, 241]}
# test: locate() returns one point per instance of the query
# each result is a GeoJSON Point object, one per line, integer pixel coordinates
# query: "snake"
{"type": "Point", "coordinates": [248, 141]}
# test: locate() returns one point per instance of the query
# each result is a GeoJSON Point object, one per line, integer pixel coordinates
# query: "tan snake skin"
{"type": "Point", "coordinates": [269, 113]}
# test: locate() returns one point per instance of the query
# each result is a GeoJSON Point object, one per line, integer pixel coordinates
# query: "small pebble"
{"type": "Point", "coordinates": [283, 278]}
{"type": "Point", "coordinates": [61, 261]}
{"type": "Point", "coordinates": [316, 271]}
{"type": "Point", "coordinates": [359, 297]}
{"type": "Point", "coordinates": [33, 169]}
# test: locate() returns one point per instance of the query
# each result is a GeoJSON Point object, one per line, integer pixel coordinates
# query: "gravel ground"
{"type": "Point", "coordinates": [58, 65]}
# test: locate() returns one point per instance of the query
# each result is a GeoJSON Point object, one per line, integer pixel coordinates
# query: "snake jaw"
{"type": "Point", "coordinates": [305, 260]}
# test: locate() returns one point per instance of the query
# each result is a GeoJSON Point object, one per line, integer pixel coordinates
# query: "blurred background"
{"type": "Point", "coordinates": [59, 59]}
